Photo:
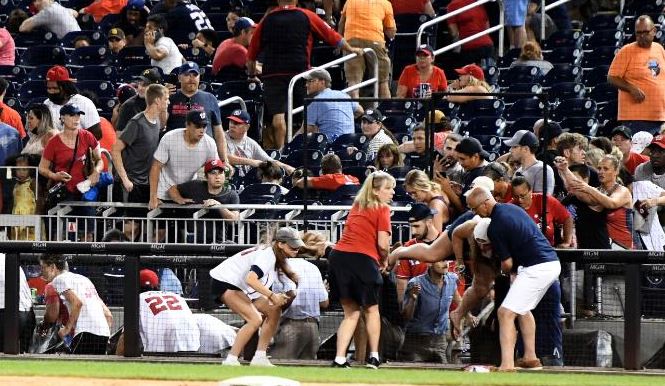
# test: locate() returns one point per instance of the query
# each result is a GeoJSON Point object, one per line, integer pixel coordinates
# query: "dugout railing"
{"type": "Point", "coordinates": [637, 335]}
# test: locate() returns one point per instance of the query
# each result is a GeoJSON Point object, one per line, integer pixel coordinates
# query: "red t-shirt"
{"type": "Point", "coordinates": [409, 6]}
{"type": "Point", "coordinates": [60, 156]}
{"type": "Point", "coordinates": [634, 160]}
{"type": "Point", "coordinates": [557, 214]}
{"type": "Point", "coordinates": [362, 228]}
{"type": "Point", "coordinates": [229, 53]}
{"type": "Point", "coordinates": [50, 297]}
{"type": "Point", "coordinates": [11, 117]}
{"type": "Point", "coordinates": [469, 23]}
{"type": "Point", "coordinates": [332, 181]}
{"type": "Point", "coordinates": [407, 269]}
{"type": "Point", "coordinates": [411, 80]}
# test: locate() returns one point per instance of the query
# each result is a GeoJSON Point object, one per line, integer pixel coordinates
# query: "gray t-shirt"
{"type": "Point", "coordinates": [141, 138]}
{"type": "Point", "coordinates": [181, 161]}
{"type": "Point", "coordinates": [246, 148]}
{"type": "Point", "coordinates": [56, 19]}
{"type": "Point", "coordinates": [644, 172]}
{"type": "Point", "coordinates": [534, 174]}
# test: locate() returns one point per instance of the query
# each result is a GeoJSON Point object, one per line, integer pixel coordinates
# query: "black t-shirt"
{"type": "Point", "coordinates": [560, 190]}
{"type": "Point", "coordinates": [590, 225]}
{"type": "Point", "coordinates": [198, 191]}
{"type": "Point", "coordinates": [128, 110]}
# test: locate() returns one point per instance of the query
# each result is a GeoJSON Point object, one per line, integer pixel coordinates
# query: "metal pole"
{"type": "Point", "coordinates": [502, 31]}
{"type": "Point", "coordinates": [305, 164]}
{"type": "Point", "coordinates": [131, 309]}
{"type": "Point", "coordinates": [546, 110]}
{"type": "Point", "coordinates": [632, 327]}
{"type": "Point", "coordinates": [542, 21]}
{"type": "Point", "coordinates": [11, 317]}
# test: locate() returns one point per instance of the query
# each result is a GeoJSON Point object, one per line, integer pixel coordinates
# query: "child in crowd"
{"type": "Point", "coordinates": [25, 199]}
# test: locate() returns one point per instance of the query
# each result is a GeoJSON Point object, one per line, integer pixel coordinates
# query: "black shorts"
{"type": "Point", "coordinates": [217, 289]}
{"type": "Point", "coordinates": [275, 94]}
{"type": "Point", "coordinates": [354, 276]}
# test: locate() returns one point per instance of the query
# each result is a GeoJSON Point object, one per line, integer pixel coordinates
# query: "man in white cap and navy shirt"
{"type": "Point", "coordinates": [523, 148]}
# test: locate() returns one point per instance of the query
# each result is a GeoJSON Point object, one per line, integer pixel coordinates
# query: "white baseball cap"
{"type": "Point", "coordinates": [480, 231]}
{"type": "Point", "coordinates": [481, 182]}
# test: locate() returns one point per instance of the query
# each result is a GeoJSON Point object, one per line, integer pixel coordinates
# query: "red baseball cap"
{"type": "Point", "coordinates": [148, 278]}
{"type": "Point", "coordinates": [214, 164]}
{"type": "Point", "coordinates": [57, 74]}
{"type": "Point", "coordinates": [473, 70]}
{"type": "Point", "coordinates": [659, 141]}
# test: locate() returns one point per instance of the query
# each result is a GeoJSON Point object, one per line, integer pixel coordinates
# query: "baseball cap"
{"type": "Point", "coordinates": [148, 278]}
{"type": "Point", "coordinates": [135, 4]}
{"type": "Point", "coordinates": [198, 118]}
{"type": "Point", "coordinates": [240, 116]}
{"type": "Point", "coordinates": [425, 49]}
{"type": "Point", "coordinates": [623, 130]}
{"type": "Point", "coordinates": [373, 115]}
{"type": "Point", "coordinates": [658, 141]}
{"type": "Point", "coordinates": [188, 67]}
{"type": "Point", "coordinates": [641, 140]}
{"type": "Point", "coordinates": [116, 33]}
{"type": "Point", "coordinates": [214, 164]}
{"type": "Point", "coordinates": [57, 74]}
{"type": "Point", "coordinates": [480, 230]}
{"type": "Point", "coordinates": [319, 74]}
{"type": "Point", "coordinates": [125, 92]}
{"type": "Point", "coordinates": [522, 138]}
{"type": "Point", "coordinates": [483, 182]}
{"type": "Point", "coordinates": [420, 211]}
{"type": "Point", "coordinates": [71, 109]}
{"type": "Point", "coordinates": [473, 70]}
{"type": "Point", "coordinates": [471, 146]}
{"type": "Point", "coordinates": [551, 130]}
{"type": "Point", "coordinates": [243, 23]}
{"type": "Point", "coordinates": [150, 76]}
{"type": "Point", "coordinates": [289, 236]}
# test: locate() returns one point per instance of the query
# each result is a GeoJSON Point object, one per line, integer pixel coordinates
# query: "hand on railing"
{"type": "Point", "coordinates": [154, 203]}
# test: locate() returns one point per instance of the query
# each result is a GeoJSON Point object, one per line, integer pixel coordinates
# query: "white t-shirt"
{"type": "Point", "coordinates": [173, 58]}
{"type": "Point", "coordinates": [181, 161]}
{"type": "Point", "coordinates": [88, 119]}
{"type": "Point", "coordinates": [25, 297]}
{"type": "Point", "coordinates": [215, 334]}
{"type": "Point", "coordinates": [235, 269]}
{"type": "Point", "coordinates": [91, 319]}
{"type": "Point", "coordinates": [166, 323]}
{"type": "Point", "coordinates": [310, 292]}
{"type": "Point", "coordinates": [56, 19]}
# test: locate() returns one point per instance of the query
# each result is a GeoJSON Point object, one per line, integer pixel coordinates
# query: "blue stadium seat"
{"type": "Point", "coordinates": [570, 55]}
{"type": "Point", "coordinates": [402, 137]}
{"type": "Point", "coordinates": [602, 55]}
{"type": "Point", "coordinates": [580, 125]}
{"type": "Point", "coordinates": [602, 21]}
{"type": "Point", "coordinates": [534, 88]}
{"type": "Point", "coordinates": [401, 107]}
{"type": "Point", "coordinates": [606, 37]}
{"type": "Point", "coordinates": [608, 112]}
{"type": "Point", "coordinates": [242, 88]}
{"type": "Point", "coordinates": [526, 107]}
{"type": "Point", "coordinates": [360, 172]}
{"type": "Point", "coordinates": [520, 74]}
{"type": "Point", "coordinates": [399, 172]}
{"type": "Point", "coordinates": [356, 158]}
{"type": "Point", "coordinates": [97, 72]}
{"type": "Point", "coordinates": [106, 105]}
{"type": "Point", "coordinates": [266, 192]}
{"type": "Point", "coordinates": [32, 89]}
{"type": "Point", "coordinates": [35, 38]}
{"type": "Point", "coordinates": [595, 76]}
{"type": "Point", "coordinates": [603, 92]}
{"type": "Point", "coordinates": [563, 72]}
{"type": "Point", "coordinates": [39, 72]}
{"type": "Point", "coordinates": [130, 73]}
{"type": "Point", "coordinates": [565, 38]}
{"type": "Point", "coordinates": [484, 126]}
{"type": "Point", "coordinates": [566, 90]}
{"type": "Point", "coordinates": [12, 73]}
{"type": "Point", "coordinates": [102, 88]}
{"type": "Point", "coordinates": [523, 123]}
{"type": "Point", "coordinates": [197, 55]}
{"type": "Point", "coordinates": [97, 37]}
{"type": "Point", "coordinates": [316, 141]}
{"type": "Point", "coordinates": [347, 140]}
{"type": "Point", "coordinates": [575, 107]}
{"type": "Point", "coordinates": [132, 56]}
{"type": "Point", "coordinates": [295, 158]}
{"type": "Point", "coordinates": [484, 107]}
{"type": "Point", "coordinates": [416, 161]}
{"type": "Point", "coordinates": [343, 193]}
{"type": "Point", "coordinates": [43, 55]}
{"type": "Point", "coordinates": [90, 55]}
{"type": "Point", "coordinates": [400, 122]}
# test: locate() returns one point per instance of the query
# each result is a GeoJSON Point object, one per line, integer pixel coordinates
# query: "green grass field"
{"type": "Point", "coordinates": [206, 372]}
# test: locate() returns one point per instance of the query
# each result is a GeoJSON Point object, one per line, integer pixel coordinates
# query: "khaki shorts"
{"type": "Point", "coordinates": [355, 68]}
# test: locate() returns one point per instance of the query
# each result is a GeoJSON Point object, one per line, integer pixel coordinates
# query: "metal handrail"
{"type": "Point", "coordinates": [544, 8]}
{"type": "Point", "coordinates": [233, 99]}
{"type": "Point", "coordinates": [373, 80]}
{"type": "Point", "coordinates": [437, 20]}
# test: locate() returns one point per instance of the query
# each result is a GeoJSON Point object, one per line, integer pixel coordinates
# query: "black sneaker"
{"type": "Point", "coordinates": [346, 365]}
{"type": "Point", "coordinates": [372, 363]}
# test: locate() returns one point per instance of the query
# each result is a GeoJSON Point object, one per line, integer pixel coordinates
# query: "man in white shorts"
{"type": "Point", "coordinates": [521, 247]}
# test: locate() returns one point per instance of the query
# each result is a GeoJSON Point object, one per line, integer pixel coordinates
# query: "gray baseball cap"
{"type": "Point", "coordinates": [289, 236]}
{"type": "Point", "coordinates": [522, 138]}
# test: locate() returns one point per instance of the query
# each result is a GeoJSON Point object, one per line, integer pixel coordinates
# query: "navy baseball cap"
{"type": "Point", "coordinates": [150, 76]}
{"type": "Point", "coordinates": [198, 118]}
{"type": "Point", "coordinates": [420, 211]}
{"type": "Point", "coordinates": [242, 24]}
{"type": "Point", "coordinates": [373, 115]}
{"type": "Point", "coordinates": [71, 109]}
{"type": "Point", "coordinates": [471, 146]}
{"type": "Point", "coordinates": [188, 67]}
{"type": "Point", "coordinates": [136, 4]}
{"type": "Point", "coordinates": [240, 116]}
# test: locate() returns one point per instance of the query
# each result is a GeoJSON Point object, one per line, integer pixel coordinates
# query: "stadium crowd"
{"type": "Point", "coordinates": [476, 188]}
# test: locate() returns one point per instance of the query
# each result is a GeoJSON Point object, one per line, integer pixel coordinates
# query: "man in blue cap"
{"type": "Point", "coordinates": [189, 98]}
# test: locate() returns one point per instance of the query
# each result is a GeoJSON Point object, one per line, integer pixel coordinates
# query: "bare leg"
{"type": "Point", "coordinates": [373, 325]}
{"type": "Point", "coordinates": [528, 332]}
{"type": "Point", "coordinates": [270, 323]}
{"type": "Point", "coordinates": [279, 130]}
{"type": "Point", "coordinates": [384, 90]}
{"type": "Point", "coordinates": [347, 326]}
{"type": "Point", "coordinates": [507, 337]}
{"type": "Point", "coordinates": [239, 303]}
{"type": "Point", "coordinates": [483, 276]}
{"type": "Point", "coordinates": [360, 340]}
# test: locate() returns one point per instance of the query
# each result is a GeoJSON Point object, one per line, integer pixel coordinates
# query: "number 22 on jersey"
{"type": "Point", "coordinates": [159, 303]}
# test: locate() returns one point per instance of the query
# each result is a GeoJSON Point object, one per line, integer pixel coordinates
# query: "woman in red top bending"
{"type": "Point", "coordinates": [355, 260]}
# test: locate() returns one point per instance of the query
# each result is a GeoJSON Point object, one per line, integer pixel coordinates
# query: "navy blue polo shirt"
{"type": "Point", "coordinates": [461, 219]}
{"type": "Point", "coordinates": [515, 235]}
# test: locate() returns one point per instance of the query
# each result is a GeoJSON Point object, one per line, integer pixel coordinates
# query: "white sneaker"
{"type": "Point", "coordinates": [230, 362]}
{"type": "Point", "coordinates": [261, 362]}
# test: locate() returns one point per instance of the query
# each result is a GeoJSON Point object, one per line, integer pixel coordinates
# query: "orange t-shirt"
{"type": "Point", "coordinates": [367, 20]}
{"type": "Point", "coordinates": [411, 80]}
{"type": "Point", "coordinates": [361, 231]}
{"type": "Point", "coordinates": [12, 118]}
{"type": "Point", "coordinates": [645, 69]}
{"type": "Point", "coordinates": [332, 181]}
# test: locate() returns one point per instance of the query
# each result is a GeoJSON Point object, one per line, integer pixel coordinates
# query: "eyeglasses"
{"type": "Point", "coordinates": [474, 209]}
{"type": "Point", "coordinates": [644, 32]}
{"type": "Point", "coordinates": [522, 197]}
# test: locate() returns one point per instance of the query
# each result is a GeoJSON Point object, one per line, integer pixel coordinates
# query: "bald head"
{"type": "Point", "coordinates": [645, 31]}
{"type": "Point", "coordinates": [480, 201]}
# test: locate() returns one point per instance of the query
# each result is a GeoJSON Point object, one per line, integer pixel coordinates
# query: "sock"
{"type": "Point", "coordinates": [340, 360]}
{"type": "Point", "coordinates": [374, 354]}
{"type": "Point", "coordinates": [260, 354]}
{"type": "Point", "coordinates": [231, 358]}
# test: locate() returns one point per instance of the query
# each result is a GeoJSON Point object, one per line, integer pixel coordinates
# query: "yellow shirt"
{"type": "Point", "coordinates": [367, 19]}
{"type": "Point", "coordinates": [645, 69]}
